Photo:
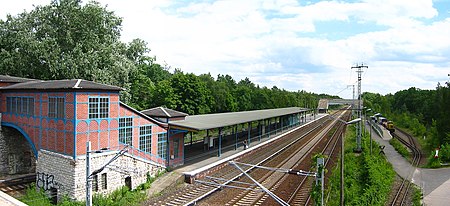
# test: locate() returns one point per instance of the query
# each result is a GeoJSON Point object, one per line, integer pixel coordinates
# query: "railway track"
{"type": "Point", "coordinates": [17, 185]}
{"type": "Point", "coordinates": [298, 158]}
{"type": "Point", "coordinates": [401, 195]}
{"type": "Point", "coordinates": [296, 191]}
{"type": "Point", "coordinates": [193, 193]}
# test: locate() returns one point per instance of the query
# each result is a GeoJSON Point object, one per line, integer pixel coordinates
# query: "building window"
{"type": "Point", "coordinates": [56, 107]}
{"type": "Point", "coordinates": [162, 145]}
{"type": "Point", "coordinates": [104, 181]}
{"type": "Point", "coordinates": [176, 148]}
{"type": "Point", "coordinates": [95, 183]}
{"type": "Point", "coordinates": [20, 105]}
{"type": "Point", "coordinates": [98, 107]}
{"type": "Point", "coordinates": [126, 130]}
{"type": "Point", "coordinates": [145, 139]}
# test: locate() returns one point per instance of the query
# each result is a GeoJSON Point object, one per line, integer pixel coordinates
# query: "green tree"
{"type": "Point", "coordinates": [195, 98]}
{"type": "Point", "coordinates": [164, 95]}
{"type": "Point", "coordinates": [66, 40]}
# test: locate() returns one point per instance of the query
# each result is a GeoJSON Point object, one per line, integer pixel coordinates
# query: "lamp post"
{"type": "Point", "coordinates": [370, 132]}
{"type": "Point", "coordinates": [342, 159]}
{"type": "Point", "coordinates": [88, 168]}
{"type": "Point", "coordinates": [343, 154]}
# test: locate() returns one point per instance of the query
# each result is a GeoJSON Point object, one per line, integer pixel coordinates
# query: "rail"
{"type": "Point", "coordinates": [402, 192]}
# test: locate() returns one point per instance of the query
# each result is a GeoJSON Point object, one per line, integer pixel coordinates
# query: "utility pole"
{"type": "Point", "coordinates": [88, 173]}
{"type": "Point", "coordinates": [342, 170]}
{"type": "Point", "coordinates": [353, 97]}
{"type": "Point", "coordinates": [359, 127]}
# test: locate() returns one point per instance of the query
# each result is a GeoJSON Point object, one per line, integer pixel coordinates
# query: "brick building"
{"type": "Point", "coordinates": [58, 117]}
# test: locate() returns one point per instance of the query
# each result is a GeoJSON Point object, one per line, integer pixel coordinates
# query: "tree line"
{"type": "Point", "coordinates": [70, 40]}
{"type": "Point", "coordinates": [424, 112]}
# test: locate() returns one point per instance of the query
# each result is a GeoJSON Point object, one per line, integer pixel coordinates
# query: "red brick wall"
{"type": "Point", "coordinates": [45, 133]}
{"type": "Point", "coordinates": [105, 132]}
{"type": "Point", "coordinates": [65, 135]}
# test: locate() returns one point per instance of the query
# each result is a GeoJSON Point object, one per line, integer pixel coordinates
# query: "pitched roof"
{"type": "Point", "coordinates": [71, 84]}
{"type": "Point", "coordinates": [143, 114]}
{"type": "Point", "coordinates": [11, 79]}
{"type": "Point", "coordinates": [211, 121]}
{"type": "Point", "coordinates": [163, 112]}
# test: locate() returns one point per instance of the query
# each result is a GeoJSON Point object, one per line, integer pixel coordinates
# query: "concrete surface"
{"type": "Point", "coordinates": [435, 183]}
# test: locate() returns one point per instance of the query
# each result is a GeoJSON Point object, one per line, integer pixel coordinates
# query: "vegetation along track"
{"type": "Point", "coordinates": [296, 157]}
{"type": "Point", "coordinates": [401, 194]}
{"type": "Point", "coordinates": [297, 189]}
{"type": "Point", "coordinates": [192, 193]}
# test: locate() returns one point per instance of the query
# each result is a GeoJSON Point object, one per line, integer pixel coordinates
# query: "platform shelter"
{"type": "Point", "coordinates": [220, 132]}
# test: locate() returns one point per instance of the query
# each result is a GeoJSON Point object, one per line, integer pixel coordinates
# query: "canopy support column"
{"type": "Point", "coordinates": [259, 130]}
{"type": "Point", "coordinates": [235, 137]}
{"type": "Point", "coordinates": [248, 133]}
{"type": "Point", "coordinates": [219, 152]}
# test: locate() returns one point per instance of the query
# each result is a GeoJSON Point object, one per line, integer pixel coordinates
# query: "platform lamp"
{"type": "Point", "coordinates": [342, 155]}
{"type": "Point", "coordinates": [370, 129]}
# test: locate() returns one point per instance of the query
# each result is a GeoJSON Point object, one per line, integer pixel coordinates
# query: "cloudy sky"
{"type": "Point", "coordinates": [295, 45]}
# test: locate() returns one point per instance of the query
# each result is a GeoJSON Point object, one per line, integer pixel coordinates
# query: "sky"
{"type": "Point", "coordinates": [295, 45]}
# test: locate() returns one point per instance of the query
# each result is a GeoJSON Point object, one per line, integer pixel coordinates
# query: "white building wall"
{"type": "Point", "coordinates": [68, 176]}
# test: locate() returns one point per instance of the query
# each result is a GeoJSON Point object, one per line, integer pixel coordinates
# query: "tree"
{"type": "Point", "coordinates": [164, 95]}
{"type": "Point", "coordinates": [68, 40]}
{"type": "Point", "coordinates": [195, 98]}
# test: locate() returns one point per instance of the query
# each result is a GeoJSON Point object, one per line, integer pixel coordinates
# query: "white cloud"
{"type": "Point", "coordinates": [265, 39]}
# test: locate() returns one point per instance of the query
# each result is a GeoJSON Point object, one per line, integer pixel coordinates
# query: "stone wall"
{"type": "Point", "coordinates": [69, 176]}
{"type": "Point", "coordinates": [16, 156]}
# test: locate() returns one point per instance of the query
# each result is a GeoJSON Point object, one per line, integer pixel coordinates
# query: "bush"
{"type": "Point", "coordinates": [444, 153]}
{"type": "Point", "coordinates": [34, 197]}
{"type": "Point", "coordinates": [433, 162]}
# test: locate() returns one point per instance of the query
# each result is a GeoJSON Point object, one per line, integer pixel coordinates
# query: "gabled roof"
{"type": "Point", "coordinates": [68, 84]}
{"type": "Point", "coordinates": [163, 112]}
{"type": "Point", "coordinates": [143, 115]}
{"type": "Point", "coordinates": [11, 79]}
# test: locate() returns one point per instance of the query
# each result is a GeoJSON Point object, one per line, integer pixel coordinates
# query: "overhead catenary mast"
{"type": "Point", "coordinates": [359, 70]}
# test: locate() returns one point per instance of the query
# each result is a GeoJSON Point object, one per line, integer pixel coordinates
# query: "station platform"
{"type": "Point", "coordinates": [170, 179]}
{"type": "Point", "coordinates": [212, 161]}
{"type": "Point", "coordinates": [6, 200]}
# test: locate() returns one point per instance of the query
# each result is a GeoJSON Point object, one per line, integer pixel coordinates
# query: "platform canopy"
{"type": "Point", "coordinates": [212, 121]}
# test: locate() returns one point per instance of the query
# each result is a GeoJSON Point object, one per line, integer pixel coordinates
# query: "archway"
{"type": "Point", "coordinates": [17, 154]}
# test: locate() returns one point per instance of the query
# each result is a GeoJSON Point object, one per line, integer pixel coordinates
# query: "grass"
{"type": "Point", "coordinates": [417, 196]}
{"type": "Point", "coordinates": [400, 148]}
{"type": "Point", "coordinates": [368, 178]}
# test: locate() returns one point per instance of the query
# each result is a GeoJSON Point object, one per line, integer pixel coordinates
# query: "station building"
{"type": "Point", "coordinates": [46, 126]}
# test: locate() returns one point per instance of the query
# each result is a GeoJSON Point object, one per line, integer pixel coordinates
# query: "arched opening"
{"type": "Point", "coordinates": [17, 154]}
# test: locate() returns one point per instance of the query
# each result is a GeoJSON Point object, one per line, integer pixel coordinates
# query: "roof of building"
{"type": "Point", "coordinates": [11, 79]}
{"type": "Point", "coordinates": [211, 121]}
{"type": "Point", "coordinates": [163, 112]}
{"type": "Point", "coordinates": [143, 115]}
{"type": "Point", "coordinates": [71, 84]}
